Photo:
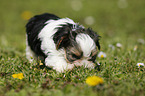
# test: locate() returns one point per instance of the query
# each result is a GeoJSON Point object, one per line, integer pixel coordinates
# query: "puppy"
{"type": "Point", "coordinates": [60, 42]}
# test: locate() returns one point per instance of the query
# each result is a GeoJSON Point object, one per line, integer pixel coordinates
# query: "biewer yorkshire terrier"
{"type": "Point", "coordinates": [60, 42]}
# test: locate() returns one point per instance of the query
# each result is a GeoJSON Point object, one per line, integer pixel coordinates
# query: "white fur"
{"type": "Point", "coordinates": [55, 57]}
{"type": "Point", "coordinates": [85, 63]}
{"type": "Point", "coordinates": [30, 55]}
{"type": "Point", "coordinates": [46, 34]}
{"type": "Point", "coordinates": [57, 61]}
{"type": "Point", "coordinates": [86, 43]}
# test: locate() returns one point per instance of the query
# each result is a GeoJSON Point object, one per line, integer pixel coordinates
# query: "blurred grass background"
{"type": "Point", "coordinates": [115, 20]}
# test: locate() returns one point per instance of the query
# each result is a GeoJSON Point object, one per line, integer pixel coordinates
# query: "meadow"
{"type": "Point", "coordinates": [121, 25]}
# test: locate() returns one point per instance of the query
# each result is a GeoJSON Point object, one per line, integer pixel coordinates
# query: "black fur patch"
{"type": "Point", "coordinates": [65, 36]}
{"type": "Point", "coordinates": [33, 28]}
{"type": "Point", "coordinates": [62, 36]}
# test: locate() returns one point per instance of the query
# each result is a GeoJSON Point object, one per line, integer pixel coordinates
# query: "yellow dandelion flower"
{"type": "Point", "coordinates": [14, 76]}
{"type": "Point", "coordinates": [26, 15]}
{"type": "Point", "coordinates": [19, 76]}
{"type": "Point", "coordinates": [94, 80]}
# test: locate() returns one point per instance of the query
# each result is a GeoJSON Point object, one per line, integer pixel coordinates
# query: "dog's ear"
{"type": "Point", "coordinates": [63, 37]}
{"type": "Point", "coordinates": [94, 36]}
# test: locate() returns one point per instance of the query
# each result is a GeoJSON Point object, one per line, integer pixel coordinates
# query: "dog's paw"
{"type": "Point", "coordinates": [63, 68]}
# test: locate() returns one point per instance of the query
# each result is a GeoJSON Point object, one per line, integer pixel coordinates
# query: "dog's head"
{"type": "Point", "coordinates": [80, 44]}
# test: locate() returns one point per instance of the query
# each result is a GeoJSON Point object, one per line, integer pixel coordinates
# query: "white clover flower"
{"type": "Point", "coordinates": [140, 64]}
{"type": "Point", "coordinates": [111, 46]}
{"type": "Point", "coordinates": [119, 45]}
{"type": "Point", "coordinates": [102, 54]}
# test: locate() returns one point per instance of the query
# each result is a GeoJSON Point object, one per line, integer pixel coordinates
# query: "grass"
{"type": "Point", "coordinates": [115, 24]}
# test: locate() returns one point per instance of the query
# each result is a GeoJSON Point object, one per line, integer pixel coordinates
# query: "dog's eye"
{"type": "Point", "coordinates": [72, 57]}
{"type": "Point", "coordinates": [75, 56]}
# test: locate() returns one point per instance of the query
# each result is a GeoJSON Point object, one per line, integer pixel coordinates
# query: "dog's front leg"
{"type": "Point", "coordinates": [58, 63]}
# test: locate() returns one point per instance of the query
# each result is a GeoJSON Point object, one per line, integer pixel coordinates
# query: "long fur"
{"type": "Point", "coordinates": [55, 40]}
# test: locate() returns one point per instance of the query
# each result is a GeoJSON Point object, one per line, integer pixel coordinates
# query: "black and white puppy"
{"type": "Point", "coordinates": [60, 42]}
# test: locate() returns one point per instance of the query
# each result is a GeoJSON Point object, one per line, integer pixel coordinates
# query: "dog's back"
{"type": "Point", "coordinates": [34, 27]}
{"type": "Point", "coordinates": [37, 22]}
